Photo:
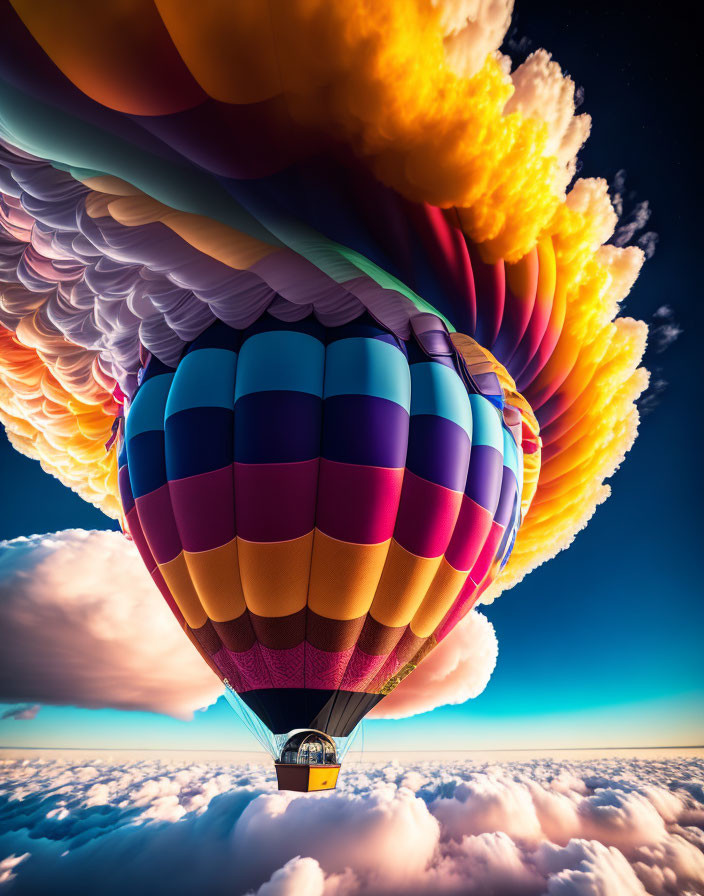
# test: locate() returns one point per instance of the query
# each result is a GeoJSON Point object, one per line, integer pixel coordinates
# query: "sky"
{"type": "Point", "coordinates": [601, 646]}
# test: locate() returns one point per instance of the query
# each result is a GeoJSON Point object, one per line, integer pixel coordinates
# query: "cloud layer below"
{"type": "Point", "coordinates": [610, 827]}
{"type": "Point", "coordinates": [83, 624]}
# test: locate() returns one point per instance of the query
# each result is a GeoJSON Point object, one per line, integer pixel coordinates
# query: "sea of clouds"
{"type": "Point", "coordinates": [607, 827]}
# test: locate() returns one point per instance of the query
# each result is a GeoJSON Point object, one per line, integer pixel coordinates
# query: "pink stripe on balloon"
{"type": "Point", "coordinates": [361, 669]}
{"type": "Point", "coordinates": [248, 664]}
{"type": "Point", "coordinates": [275, 502]}
{"type": "Point", "coordinates": [285, 666]}
{"type": "Point", "coordinates": [158, 524]}
{"type": "Point", "coordinates": [357, 503]}
{"type": "Point", "coordinates": [488, 553]}
{"type": "Point", "coordinates": [324, 668]}
{"type": "Point", "coordinates": [465, 601]}
{"type": "Point", "coordinates": [134, 527]}
{"type": "Point", "coordinates": [427, 515]}
{"type": "Point", "coordinates": [204, 509]}
{"type": "Point", "coordinates": [472, 527]}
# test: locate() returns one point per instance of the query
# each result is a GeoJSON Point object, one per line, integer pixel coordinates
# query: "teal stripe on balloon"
{"type": "Point", "coordinates": [438, 390]}
{"type": "Point", "coordinates": [146, 413]}
{"type": "Point", "coordinates": [359, 366]}
{"type": "Point", "coordinates": [511, 454]}
{"type": "Point", "coordinates": [280, 361]}
{"type": "Point", "coordinates": [205, 379]}
{"type": "Point", "coordinates": [487, 428]}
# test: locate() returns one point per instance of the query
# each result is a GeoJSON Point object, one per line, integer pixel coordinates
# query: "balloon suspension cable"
{"type": "Point", "coordinates": [252, 722]}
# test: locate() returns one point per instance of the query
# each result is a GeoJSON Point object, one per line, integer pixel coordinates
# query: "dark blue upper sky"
{"type": "Point", "coordinates": [603, 644]}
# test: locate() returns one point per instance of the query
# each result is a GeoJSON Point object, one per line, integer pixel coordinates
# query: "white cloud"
{"type": "Point", "coordinates": [83, 624]}
{"type": "Point", "coordinates": [458, 669]}
{"type": "Point", "coordinates": [587, 868]}
{"type": "Point", "coordinates": [297, 876]}
{"type": "Point", "coordinates": [463, 827]}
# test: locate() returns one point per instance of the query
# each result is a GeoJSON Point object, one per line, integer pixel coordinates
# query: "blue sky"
{"type": "Point", "coordinates": [602, 646]}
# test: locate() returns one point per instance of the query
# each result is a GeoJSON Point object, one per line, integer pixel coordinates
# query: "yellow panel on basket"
{"type": "Point", "coordinates": [323, 777]}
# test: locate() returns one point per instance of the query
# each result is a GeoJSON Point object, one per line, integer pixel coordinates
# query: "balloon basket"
{"type": "Point", "coordinates": [306, 778]}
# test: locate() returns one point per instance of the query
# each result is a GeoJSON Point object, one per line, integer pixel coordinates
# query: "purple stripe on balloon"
{"type": "Point", "coordinates": [357, 504]}
{"type": "Point", "coordinates": [275, 502]}
{"type": "Point", "coordinates": [123, 484]}
{"type": "Point", "coordinates": [324, 669]}
{"type": "Point", "coordinates": [471, 529]}
{"type": "Point", "coordinates": [426, 516]}
{"type": "Point", "coordinates": [486, 470]}
{"type": "Point", "coordinates": [438, 450]}
{"type": "Point", "coordinates": [158, 524]}
{"type": "Point", "coordinates": [204, 509]}
{"type": "Point", "coordinates": [508, 493]}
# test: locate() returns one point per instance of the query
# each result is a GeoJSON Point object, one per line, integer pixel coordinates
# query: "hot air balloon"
{"type": "Point", "coordinates": [346, 337]}
{"type": "Point", "coordinates": [320, 506]}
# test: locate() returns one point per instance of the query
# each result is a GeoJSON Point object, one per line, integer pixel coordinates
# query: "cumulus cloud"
{"type": "Point", "coordinates": [604, 827]}
{"type": "Point", "coordinates": [84, 625]}
{"type": "Point", "coordinates": [473, 29]}
{"type": "Point", "coordinates": [457, 670]}
{"type": "Point", "coordinates": [541, 91]}
{"type": "Point", "coordinates": [28, 711]}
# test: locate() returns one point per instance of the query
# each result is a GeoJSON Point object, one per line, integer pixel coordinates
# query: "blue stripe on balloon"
{"type": "Point", "coordinates": [280, 360]}
{"type": "Point", "coordinates": [145, 462]}
{"type": "Point", "coordinates": [204, 378]}
{"type": "Point", "coordinates": [277, 427]}
{"type": "Point", "coordinates": [198, 440]}
{"type": "Point", "coordinates": [487, 428]}
{"type": "Point", "coordinates": [437, 390]}
{"type": "Point", "coordinates": [146, 412]}
{"type": "Point", "coordinates": [511, 454]}
{"type": "Point", "coordinates": [373, 367]}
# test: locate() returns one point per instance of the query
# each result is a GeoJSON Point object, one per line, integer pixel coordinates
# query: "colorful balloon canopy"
{"type": "Point", "coordinates": [310, 281]}
{"type": "Point", "coordinates": [321, 505]}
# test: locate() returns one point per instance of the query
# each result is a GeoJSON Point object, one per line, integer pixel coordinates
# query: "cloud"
{"type": "Point", "coordinates": [602, 827]}
{"type": "Point", "coordinates": [84, 625]}
{"type": "Point", "coordinates": [457, 670]}
{"type": "Point", "coordinates": [664, 329]}
{"type": "Point", "coordinates": [297, 876]}
{"type": "Point", "coordinates": [21, 712]}
{"type": "Point", "coordinates": [633, 217]}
